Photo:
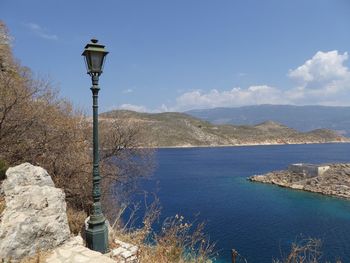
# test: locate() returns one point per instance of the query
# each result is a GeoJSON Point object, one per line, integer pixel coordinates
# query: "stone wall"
{"type": "Point", "coordinates": [310, 170]}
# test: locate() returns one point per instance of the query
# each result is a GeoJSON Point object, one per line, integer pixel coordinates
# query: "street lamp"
{"type": "Point", "coordinates": [97, 232]}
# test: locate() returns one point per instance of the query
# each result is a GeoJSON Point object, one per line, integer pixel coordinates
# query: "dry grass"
{"type": "Point", "coordinates": [76, 220]}
{"type": "Point", "coordinates": [178, 240]}
{"type": "Point", "coordinates": [306, 250]}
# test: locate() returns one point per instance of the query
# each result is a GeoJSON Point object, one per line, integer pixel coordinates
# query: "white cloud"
{"type": "Point", "coordinates": [260, 94]}
{"type": "Point", "coordinates": [322, 67]}
{"type": "Point", "coordinates": [133, 107]}
{"type": "Point", "coordinates": [241, 74]}
{"type": "Point", "coordinates": [163, 108]}
{"type": "Point", "coordinates": [127, 91]}
{"type": "Point", "coordinates": [322, 80]}
{"type": "Point", "coordinates": [140, 108]}
{"type": "Point", "coordinates": [41, 32]}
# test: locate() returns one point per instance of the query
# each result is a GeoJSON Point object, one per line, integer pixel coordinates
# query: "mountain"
{"type": "Point", "coordinates": [301, 118]}
{"type": "Point", "coordinates": [180, 130]}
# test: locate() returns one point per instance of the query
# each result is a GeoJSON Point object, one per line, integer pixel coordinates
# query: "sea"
{"type": "Point", "coordinates": [260, 221]}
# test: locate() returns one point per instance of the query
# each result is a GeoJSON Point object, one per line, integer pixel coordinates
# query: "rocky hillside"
{"type": "Point", "coordinates": [181, 130]}
{"type": "Point", "coordinates": [301, 118]}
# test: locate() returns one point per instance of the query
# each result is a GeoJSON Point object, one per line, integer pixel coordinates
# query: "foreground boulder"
{"type": "Point", "coordinates": [35, 215]}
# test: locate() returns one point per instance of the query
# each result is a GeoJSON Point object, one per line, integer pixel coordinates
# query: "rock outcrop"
{"type": "Point", "coordinates": [74, 251]}
{"type": "Point", "coordinates": [35, 216]}
{"type": "Point", "coordinates": [334, 182]}
{"type": "Point", "coordinates": [125, 252]}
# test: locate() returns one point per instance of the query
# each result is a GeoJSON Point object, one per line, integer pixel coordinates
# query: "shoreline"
{"type": "Point", "coordinates": [333, 182]}
{"type": "Point", "coordinates": [240, 145]}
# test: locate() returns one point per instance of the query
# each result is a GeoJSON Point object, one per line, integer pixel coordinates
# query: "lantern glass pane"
{"type": "Point", "coordinates": [103, 61]}
{"type": "Point", "coordinates": [96, 61]}
{"type": "Point", "coordinates": [87, 63]}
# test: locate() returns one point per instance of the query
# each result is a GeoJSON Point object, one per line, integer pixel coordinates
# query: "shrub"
{"type": "Point", "coordinates": [37, 126]}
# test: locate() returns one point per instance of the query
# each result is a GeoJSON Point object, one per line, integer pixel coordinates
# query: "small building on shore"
{"type": "Point", "coordinates": [310, 170]}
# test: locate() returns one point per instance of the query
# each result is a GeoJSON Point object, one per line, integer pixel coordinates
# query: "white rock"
{"type": "Point", "coordinates": [117, 251]}
{"type": "Point", "coordinates": [297, 186]}
{"type": "Point", "coordinates": [126, 254]}
{"type": "Point", "coordinates": [134, 249]}
{"type": "Point", "coordinates": [35, 215]}
{"type": "Point", "coordinates": [25, 174]}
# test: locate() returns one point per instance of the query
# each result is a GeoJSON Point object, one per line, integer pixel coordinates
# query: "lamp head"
{"type": "Point", "coordinates": [94, 55]}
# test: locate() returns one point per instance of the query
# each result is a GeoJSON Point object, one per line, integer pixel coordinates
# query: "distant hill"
{"type": "Point", "coordinates": [301, 118]}
{"type": "Point", "coordinates": [181, 130]}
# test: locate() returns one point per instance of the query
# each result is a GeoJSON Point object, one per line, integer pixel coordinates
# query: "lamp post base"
{"type": "Point", "coordinates": [97, 237]}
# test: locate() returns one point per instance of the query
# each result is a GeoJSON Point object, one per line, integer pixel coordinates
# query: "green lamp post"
{"type": "Point", "coordinates": [97, 232]}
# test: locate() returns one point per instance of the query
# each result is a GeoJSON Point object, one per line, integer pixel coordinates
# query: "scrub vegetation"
{"type": "Point", "coordinates": [178, 240]}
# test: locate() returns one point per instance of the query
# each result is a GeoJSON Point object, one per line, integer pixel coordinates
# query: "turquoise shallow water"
{"type": "Point", "coordinates": [260, 221]}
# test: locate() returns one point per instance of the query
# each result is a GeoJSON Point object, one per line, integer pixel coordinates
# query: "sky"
{"type": "Point", "coordinates": [188, 54]}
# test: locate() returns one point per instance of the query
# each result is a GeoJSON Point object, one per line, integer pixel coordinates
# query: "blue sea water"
{"type": "Point", "coordinates": [260, 221]}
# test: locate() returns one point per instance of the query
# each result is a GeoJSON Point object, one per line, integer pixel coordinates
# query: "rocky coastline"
{"type": "Point", "coordinates": [333, 182]}
{"type": "Point", "coordinates": [272, 143]}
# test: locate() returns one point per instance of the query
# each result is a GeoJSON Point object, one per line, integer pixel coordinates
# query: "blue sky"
{"type": "Point", "coordinates": [184, 54]}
